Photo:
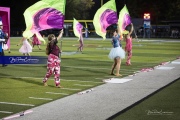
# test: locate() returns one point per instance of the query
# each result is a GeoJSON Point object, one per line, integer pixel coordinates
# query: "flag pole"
{"type": "Point", "coordinates": [61, 47]}
{"type": "Point", "coordinates": [101, 2]}
{"type": "Point", "coordinates": [135, 34]}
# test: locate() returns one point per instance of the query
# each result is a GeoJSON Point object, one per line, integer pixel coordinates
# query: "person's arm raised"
{"type": "Point", "coordinates": [60, 35]}
{"type": "Point", "coordinates": [132, 28]}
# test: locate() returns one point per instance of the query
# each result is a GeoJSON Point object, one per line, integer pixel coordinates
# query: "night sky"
{"type": "Point", "coordinates": [17, 8]}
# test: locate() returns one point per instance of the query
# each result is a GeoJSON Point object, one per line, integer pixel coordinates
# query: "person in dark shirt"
{"type": "Point", "coordinates": [3, 40]}
{"type": "Point", "coordinates": [53, 62]}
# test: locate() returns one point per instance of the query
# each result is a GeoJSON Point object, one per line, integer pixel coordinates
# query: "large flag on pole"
{"type": "Point", "coordinates": [104, 17]}
{"type": "Point", "coordinates": [5, 19]}
{"type": "Point", "coordinates": [124, 19]}
{"type": "Point", "coordinates": [45, 14]}
{"type": "Point", "coordinates": [77, 28]}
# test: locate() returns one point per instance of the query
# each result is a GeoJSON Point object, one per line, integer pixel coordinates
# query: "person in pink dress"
{"type": "Point", "coordinates": [128, 47]}
{"type": "Point", "coordinates": [36, 41]}
{"type": "Point", "coordinates": [81, 42]}
{"type": "Point", "coordinates": [26, 48]}
{"type": "Point", "coordinates": [53, 62]}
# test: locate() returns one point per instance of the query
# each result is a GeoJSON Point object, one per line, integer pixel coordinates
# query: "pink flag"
{"type": "Point", "coordinates": [5, 16]}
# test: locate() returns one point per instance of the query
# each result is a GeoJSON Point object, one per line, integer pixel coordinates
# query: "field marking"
{"type": "Point", "coordinates": [6, 112]}
{"type": "Point", "coordinates": [116, 80]}
{"type": "Point", "coordinates": [81, 81]}
{"type": "Point", "coordinates": [165, 68]}
{"type": "Point", "coordinates": [49, 79]}
{"type": "Point", "coordinates": [18, 115]}
{"type": "Point", "coordinates": [175, 63]}
{"type": "Point", "coordinates": [85, 67]}
{"type": "Point", "coordinates": [16, 104]}
{"type": "Point", "coordinates": [99, 78]}
{"type": "Point", "coordinates": [132, 69]}
{"type": "Point", "coordinates": [57, 93]}
{"type": "Point", "coordinates": [83, 85]}
{"type": "Point", "coordinates": [40, 98]}
{"type": "Point", "coordinates": [70, 89]}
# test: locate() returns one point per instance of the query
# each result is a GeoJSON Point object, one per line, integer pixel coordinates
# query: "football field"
{"type": "Point", "coordinates": [21, 86]}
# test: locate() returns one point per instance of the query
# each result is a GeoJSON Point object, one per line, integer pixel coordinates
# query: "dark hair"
{"type": "Point", "coordinates": [48, 48]}
{"type": "Point", "coordinates": [50, 37]}
{"type": "Point", "coordinates": [115, 30]}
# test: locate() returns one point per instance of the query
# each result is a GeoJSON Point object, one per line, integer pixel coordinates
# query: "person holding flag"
{"type": "Point", "coordinates": [43, 15]}
{"type": "Point", "coordinates": [36, 41]}
{"type": "Point", "coordinates": [124, 21]}
{"type": "Point", "coordinates": [116, 53]}
{"type": "Point", "coordinates": [77, 28]}
{"type": "Point", "coordinates": [53, 62]}
{"type": "Point", "coordinates": [128, 47]}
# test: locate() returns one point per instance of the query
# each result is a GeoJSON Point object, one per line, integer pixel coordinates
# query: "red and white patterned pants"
{"type": "Point", "coordinates": [53, 67]}
{"type": "Point", "coordinates": [129, 55]}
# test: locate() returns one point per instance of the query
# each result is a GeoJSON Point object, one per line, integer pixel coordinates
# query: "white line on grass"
{"type": "Point", "coordinates": [85, 67]}
{"type": "Point", "coordinates": [80, 81]}
{"type": "Point", "coordinates": [99, 78]}
{"type": "Point", "coordinates": [6, 112]}
{"type": "Point", "coordinates": [49, 79]}
{"type": "Point", "coordinates": [83, 85]}
{"type": "Point", "coordinates": [40, 98]}
{"type": "Point", "coordinates": [132, 69]}
{"type": "Point", "coordinates": [70, 89]}
{"type": "Point", "coordinates": [16, 104]}
{"type": "Point", "coordinates": [57, 93]}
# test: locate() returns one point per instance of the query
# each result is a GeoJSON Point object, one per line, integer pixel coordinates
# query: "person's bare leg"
{"type": "Point", "coordinates": [118, 66]}
{"type": "Point", "coordinates": [113, 67]}
{"type": "Point", "coordinates": [28, 54]}
{"type": "Point", "coordinates": [39, 47]}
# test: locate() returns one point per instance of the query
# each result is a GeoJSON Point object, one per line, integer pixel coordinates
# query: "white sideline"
{"type": "Point", "coordinates": [83, 85]}
{"type": "Point", "coordinates": [6, 112]}
{"type": "Point", "coordinates": [40, 98]}
{"type": "Point", "coordinates": [16, 104]}
{"type": "Point", "coordinates": [57, 93]}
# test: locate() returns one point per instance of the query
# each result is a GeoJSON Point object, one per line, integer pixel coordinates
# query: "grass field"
{"type": "Point", "coordinates": [21, 84]}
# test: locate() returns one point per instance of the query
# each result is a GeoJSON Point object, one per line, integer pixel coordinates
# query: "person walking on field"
{"type": "Point", "coordinates": [53, 62]}
{"type": "Point", "coordinates": [128, 47]}
{"type": "Point", "coordinates": [36, 41]}
{"type": "Point", "coordinates": [81, 42]}
{"type": "Point", "coordinates": [116, 53]}
{"type": "Point", "coordinates": [26, 48]}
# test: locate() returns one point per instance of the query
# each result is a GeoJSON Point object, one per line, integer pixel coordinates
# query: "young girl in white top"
{"type": "Point", "coordinates": [26, 48]}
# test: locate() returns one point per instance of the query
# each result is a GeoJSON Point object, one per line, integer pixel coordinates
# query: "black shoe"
{"type": "Point", "coordinates": [4, 65]}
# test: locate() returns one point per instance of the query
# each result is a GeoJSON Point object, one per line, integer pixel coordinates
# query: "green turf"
{"type": "Point", "coordinates": [164, 105]}
{"type": "Point", "coordinates": [19, 82]}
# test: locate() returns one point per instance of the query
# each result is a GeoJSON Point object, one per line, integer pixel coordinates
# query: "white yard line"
{"type": "Point", "coordinates": [57, 93]}
{"type": "Point", "coordinates": [16, 104]}
{"type": "Point", "coordinates": [6, 112]}
{"type": "Point", "coordinates": [85, 67]}
{"type": "Point", "coordinates": [80, 81]}
{"type": "Point", "coordinates": [70, 89]}
{"type": "Point", "coordinates": [49, 79]}
{"type": "Point", "coordinates": [83, 85]}
{"type": "Point", "coordinates": [40, 98]}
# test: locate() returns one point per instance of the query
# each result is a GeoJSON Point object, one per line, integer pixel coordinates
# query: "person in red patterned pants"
{"type": "Point", "coordinates": [53, 62]}
{"type": "Point", "coordinates": [128, 47]}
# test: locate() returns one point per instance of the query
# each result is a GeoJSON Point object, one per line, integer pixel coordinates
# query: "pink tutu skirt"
{"type": "Point", "coordinates": [26, 47]}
